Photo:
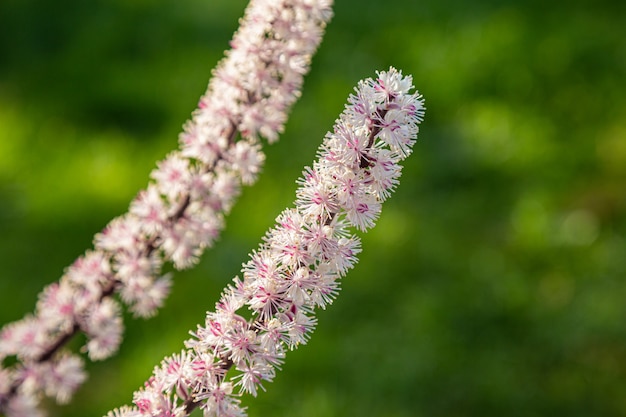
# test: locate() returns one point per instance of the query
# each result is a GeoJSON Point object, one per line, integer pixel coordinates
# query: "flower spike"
{"type": "Point", "coordinates": [299, 264]}
{"type": "Point", "coordinates": [178, 215]}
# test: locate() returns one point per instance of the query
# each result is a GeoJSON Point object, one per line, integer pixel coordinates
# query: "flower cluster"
{"type": "Point", "coordinates": [177, 216]}
{"type": "Point", "coordinates": [298, 266]}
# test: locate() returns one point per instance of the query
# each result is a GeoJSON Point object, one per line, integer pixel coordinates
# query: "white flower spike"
{"type": "Point", "coordinates": [179, 214]}
{"type": "Point", "coordinates": [298, 266]}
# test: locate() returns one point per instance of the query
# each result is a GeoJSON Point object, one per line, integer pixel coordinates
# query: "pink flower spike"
{"type": "Point", "coordinates": [182, 210]}
{"type": "Point", "coordinates": [301, 260]}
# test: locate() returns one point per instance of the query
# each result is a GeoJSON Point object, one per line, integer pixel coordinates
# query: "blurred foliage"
{"type": "Point", "coordinates": [494, 283]}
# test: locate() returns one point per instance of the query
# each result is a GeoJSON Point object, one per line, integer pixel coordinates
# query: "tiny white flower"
{"type": "Point", "coordinates": [104, 327]}
{"type": "Point", "coordinates": [65, 375]}
{"type": "Point", "coordinates": [172, 176]}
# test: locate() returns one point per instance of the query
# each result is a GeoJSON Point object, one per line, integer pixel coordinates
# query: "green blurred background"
{"type": "Point", "coordinates": [495, 281]}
